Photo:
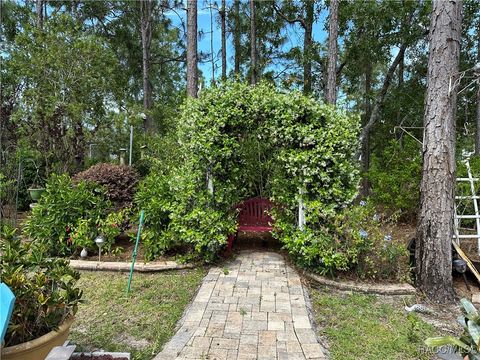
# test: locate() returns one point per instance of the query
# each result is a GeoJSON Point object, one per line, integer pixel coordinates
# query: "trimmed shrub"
{"type": "Point", "coordinates": [119, 181]}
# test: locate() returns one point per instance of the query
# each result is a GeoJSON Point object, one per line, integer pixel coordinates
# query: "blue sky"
{"type": "Point", "coordinates": [293, 33]}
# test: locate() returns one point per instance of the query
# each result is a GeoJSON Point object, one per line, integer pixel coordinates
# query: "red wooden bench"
{"type": "Point", "coordinates": [253, 217]}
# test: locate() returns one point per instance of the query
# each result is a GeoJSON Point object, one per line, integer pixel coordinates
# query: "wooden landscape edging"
{"type": "Point", "coordinates": [464, 256]}
{"type": "Point", "coordinates": [125, 266]}
{"type": "Point", "coordinates": [380, 289]}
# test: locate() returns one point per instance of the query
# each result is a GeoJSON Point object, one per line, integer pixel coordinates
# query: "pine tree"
{"type": "Point", "coordinates": [434, 227]}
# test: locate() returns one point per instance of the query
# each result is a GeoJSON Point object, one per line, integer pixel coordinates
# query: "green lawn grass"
{"type": "Point", "coordinates": [365, 327]}
{"type": "Point", "coordinates": [140, 323]}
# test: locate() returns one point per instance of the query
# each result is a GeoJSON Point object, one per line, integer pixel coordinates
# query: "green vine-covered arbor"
{"type": "Point", "coordinates": [237, 141]}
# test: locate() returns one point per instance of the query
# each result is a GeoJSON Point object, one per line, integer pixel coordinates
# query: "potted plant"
{"type": "Point", "coordinates": [35, 191]}
{"type": "Point", "coordinates": [467, 345]}
{"type": "Point", "coordinates": [46, 298]}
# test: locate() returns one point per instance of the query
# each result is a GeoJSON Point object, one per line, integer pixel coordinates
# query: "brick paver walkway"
{"type": "Point", "coordinates": [257, 309]}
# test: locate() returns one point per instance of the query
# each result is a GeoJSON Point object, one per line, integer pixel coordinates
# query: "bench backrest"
{"type": "Point", "coordinates": [255, 212]}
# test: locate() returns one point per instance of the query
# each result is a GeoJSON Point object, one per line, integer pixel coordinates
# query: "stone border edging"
{"type": "Point", "coordinates": [381, 289]}
{"type": "Point", "coordinates": [125, 266]}
{"type": "Point", "coordinates": [114, 355]}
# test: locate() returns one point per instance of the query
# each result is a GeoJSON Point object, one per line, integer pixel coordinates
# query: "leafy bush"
{"type": "Point", "coordinates": [44, 288]}
{"type": "Point", "coordinates": [350, 240]}
{"type": "Point", "coordinates": [114, 224]}
{"type": "Point", "coordinates": [65, 210]}
{"type": "Point", "coordinates": [87, 229]}
{"type": "Point", "coordinates": [395, 177]}
{"type": "Point", "coordinates": [119, 181]}
{"type": "Point", "coordinates": [155, 198]}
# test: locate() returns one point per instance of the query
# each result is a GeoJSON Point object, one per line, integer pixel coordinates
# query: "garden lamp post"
{"type": "Point", "coordinates": [99, 240]}
{"type": "Point", "coordinates": [143, 149]}
{"type": "Point", "coordinates": [130, 149]}
{"type": "Point", "coordinates": [123, 151]}
{"type": "Point", "coordinates": [90, 150]}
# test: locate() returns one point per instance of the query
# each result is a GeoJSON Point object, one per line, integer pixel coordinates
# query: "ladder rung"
{"type": "Point", "coordinates": [465, 236]}
{"type": "Point", "coordinates": [467, 216]}
{"type": "Point", "coordinates": [467, 179]}
{"type": "Point", "coordinates": [467, 197]}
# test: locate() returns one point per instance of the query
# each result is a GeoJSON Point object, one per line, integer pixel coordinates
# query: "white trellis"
{"type": "Point", "coordinates": [301, 209]}
{"type": "Point", "coordinates": [474, 198]}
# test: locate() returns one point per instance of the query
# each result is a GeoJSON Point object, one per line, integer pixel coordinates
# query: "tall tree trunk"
{"type": "Point", "coordinates": [332, 53]}
{"type": "Point", "coordinates": [39, 11]}
{"type": "Point", "coordinates": [236, 36]}
{"type": "Point", "coordinates": [307, 46]}
{"type": "Point", "coordinates": [224, 40]}
{"type": "Point", "coordinates": [365, 149]}
{"type": "Point", "coordinates": [477, 135]}
{"type": "Point", "coordinates": [253, 44]}
{"type": "Point", "coordinates": [192, 70]}
{"type": "Point", "coordinates": [401, 71]}
{"type": "Point", "coordinates": [212, 52]}
{"type": "Point", "coordinates": [434, 226]}
{"type": "Point", "coordinates": [44, 134]}
{"type": "Point", "coordinates": [401, 76]}
{"type": "Point", "coordinates": [79, 151]}
{"type": "Point", "coordinates": [146, 9]}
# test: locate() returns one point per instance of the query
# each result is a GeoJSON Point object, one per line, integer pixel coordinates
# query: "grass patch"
{"type": "Point", "coordinates": [361, 326]}
{"type": "Point", "coordinates": [140, 324]}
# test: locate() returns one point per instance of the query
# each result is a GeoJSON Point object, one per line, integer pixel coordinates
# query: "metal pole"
{"type": "Point", "coordinates": [131, 146]}
{"type": "Point", "coordinates": [134, 256]}
{"type": "Point", "coordinates": [19, 179]}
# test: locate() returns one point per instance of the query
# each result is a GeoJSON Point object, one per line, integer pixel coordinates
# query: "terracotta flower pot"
{"type": "Point", "coordinates": [39, 348]}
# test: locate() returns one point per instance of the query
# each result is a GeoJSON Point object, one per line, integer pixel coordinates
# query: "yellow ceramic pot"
{"type": "Point", "coordinates": [39, 348]}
